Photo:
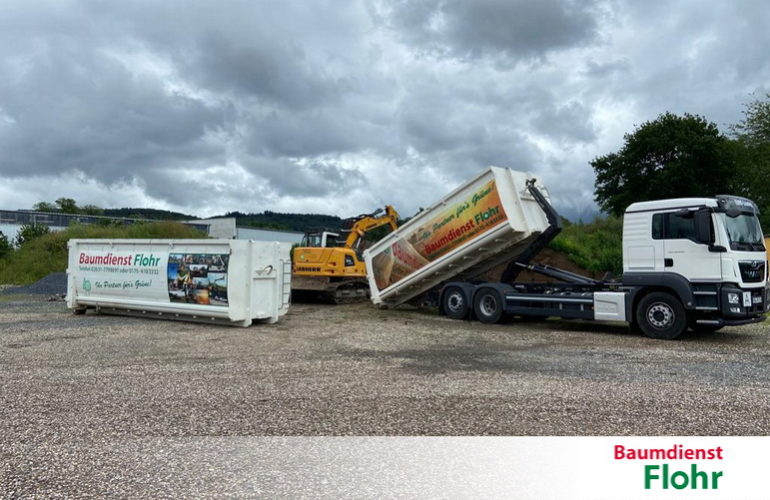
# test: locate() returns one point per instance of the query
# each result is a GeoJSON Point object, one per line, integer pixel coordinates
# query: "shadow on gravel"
{"type": "Point", "coordinates": [725, 336]}
{"type": "Point", "coordinates": [589, 327]}
{"type": "Point", "coordinates": [451, 358]}
{"type": "Point", "coordinates": [540, 358]}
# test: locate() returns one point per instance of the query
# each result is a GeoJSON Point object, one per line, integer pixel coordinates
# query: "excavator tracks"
{"type": "Point", "coordinates": [342, 291]}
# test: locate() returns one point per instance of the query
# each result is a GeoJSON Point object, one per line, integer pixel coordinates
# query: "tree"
{"type": "Point", "coordinates": [67, 205]}
{"type": "Point", "coordinates": [754, 129]}
{"type": "Point", "coordinates": [29, 232]}
{"type": "Point", "coordinates": [669, 157]}
{"type": "Point", "coordinates": [91, 210]}
{"type": "Point", "coordinates": [43, 206]}
{"type": "Point", "coordinates": [752, 152]}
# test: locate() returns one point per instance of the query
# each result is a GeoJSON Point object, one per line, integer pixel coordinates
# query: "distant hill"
{"type": "Point", "coordinates": [147, 213]}
{"type": "Point", "coordinates": [286, 222]}
{"type": "Point", "coordinates": [264, 220]}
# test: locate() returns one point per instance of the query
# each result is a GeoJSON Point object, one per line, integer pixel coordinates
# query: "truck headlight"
{"type": "Point", "coordinates": [733, 298]}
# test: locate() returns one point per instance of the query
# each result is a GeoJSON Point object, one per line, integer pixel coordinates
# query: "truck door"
{"type": "Point", "coordinates": [682, 254]}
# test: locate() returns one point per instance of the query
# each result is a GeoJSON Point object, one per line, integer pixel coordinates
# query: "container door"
{"type": "Point", "coordinates": [286, 284]}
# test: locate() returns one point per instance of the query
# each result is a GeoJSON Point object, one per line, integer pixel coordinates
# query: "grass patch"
{"type": "Point", "coordinates": [596, 247]}
{"type": "Point", "coordinates": [12, 297]}
{"type": "Point", "coordinates": [48, 253]}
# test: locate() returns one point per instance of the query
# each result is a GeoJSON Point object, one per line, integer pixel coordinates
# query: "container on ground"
{"type": "Point", "coordinates": [222, 281]}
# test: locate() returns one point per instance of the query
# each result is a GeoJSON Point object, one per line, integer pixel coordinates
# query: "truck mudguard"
{"type": "Point", "coordinates": [674, 282]}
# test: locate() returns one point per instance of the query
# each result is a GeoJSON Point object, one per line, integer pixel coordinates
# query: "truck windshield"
{"type": "Point", "coordinates": [744, 233]}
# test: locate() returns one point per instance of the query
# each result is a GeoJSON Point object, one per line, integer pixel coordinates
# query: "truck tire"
{"type": "Point", "coordinates": [488, 305]}
{"type": "Point", "coordinates": [660, 315]}
{"type": "Point", "coordinates": [455, 303]}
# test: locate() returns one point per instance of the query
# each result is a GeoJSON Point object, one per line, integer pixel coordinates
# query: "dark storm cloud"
{"type": "Point", "coordinates": [243, 105]}
{"type": "Point", "coordinates": [570, 121]}
{"type": "Point", "coordinates": [516, 29]}
{"type": "Point", "coordinates": [317, 179]}
{"type": "Point", "coordinates": [75, 109]}
{"type": "Point", "coordinates": [277, 72]}
{"type": "Point", "coordinates": [307, 134]}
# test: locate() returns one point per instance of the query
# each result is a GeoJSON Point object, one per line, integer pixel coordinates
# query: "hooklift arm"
{"type": "Point", "coordinates": [542, 241]}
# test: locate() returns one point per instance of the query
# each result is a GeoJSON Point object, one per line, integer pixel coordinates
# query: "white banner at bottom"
{"type": "Point", "coordinates": [458, 467]}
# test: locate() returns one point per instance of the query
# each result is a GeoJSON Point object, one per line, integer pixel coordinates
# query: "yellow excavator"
{"type": "Point", "coordinates": [329, 265]}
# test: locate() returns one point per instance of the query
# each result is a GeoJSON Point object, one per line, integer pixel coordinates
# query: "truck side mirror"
{"type": "Point", "coordinates": [703, 231]}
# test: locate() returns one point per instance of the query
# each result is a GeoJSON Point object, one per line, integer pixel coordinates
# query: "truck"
{"type": "Point", "coordinates": [697, 263]}
{"type": "Point", "coordinates": [231, 282]}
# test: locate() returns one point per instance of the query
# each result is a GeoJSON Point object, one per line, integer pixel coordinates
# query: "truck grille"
{"type": "Point", "coordinates": [752, 271]}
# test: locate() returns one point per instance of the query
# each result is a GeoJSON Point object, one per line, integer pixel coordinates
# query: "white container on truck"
{"type": "Point", "coordinates": [232, 282]}
{"type": "Point", "coordinates": [688, 262]}
{"type": "Point", "coordinates": [483, 223]}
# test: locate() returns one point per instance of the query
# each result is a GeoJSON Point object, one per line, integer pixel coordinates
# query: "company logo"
{"type": "Point", "coordinates": [672, 473]}
{"type": "Point", "coordinates": [139, 259]}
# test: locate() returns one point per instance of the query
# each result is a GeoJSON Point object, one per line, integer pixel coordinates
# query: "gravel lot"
{"type": "Point", "coordinates": [76, 387]}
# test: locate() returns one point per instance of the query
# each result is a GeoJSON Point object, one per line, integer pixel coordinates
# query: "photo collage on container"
{"type": "Point", "coordinates": [198, 278]}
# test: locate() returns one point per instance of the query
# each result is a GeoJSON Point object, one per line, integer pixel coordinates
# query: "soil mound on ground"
{"type": "Point", "coordinates": [546, 256]}
{"type": "Point", "coordinates": [53, 284]}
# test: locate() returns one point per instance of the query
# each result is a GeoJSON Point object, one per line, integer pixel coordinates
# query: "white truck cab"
{"type": "Point", "coordinates": [707, 252]}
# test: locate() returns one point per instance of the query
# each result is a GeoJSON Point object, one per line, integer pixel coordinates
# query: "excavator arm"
{"type": "Point", "coordinates": [367, 222]}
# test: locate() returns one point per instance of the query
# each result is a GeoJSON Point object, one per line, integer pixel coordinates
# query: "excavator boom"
{"type": "Point", "coordinates": [365, 223]}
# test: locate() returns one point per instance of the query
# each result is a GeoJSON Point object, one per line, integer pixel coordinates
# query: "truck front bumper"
{"type": "Point", "coordinates": [744, 305]}
{"type": "Point", "coordinates": [719, 322]}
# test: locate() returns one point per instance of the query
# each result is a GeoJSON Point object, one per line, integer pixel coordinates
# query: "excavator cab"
{"type": "Point", "coordinates": [319, 239]}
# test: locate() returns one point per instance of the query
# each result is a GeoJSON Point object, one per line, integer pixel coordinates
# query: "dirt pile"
{"type": "Point", "coordinates": [546, 256]}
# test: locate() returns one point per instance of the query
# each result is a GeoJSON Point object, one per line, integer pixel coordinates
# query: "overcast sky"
{"type": "Point", "coordinates": [342, 106]}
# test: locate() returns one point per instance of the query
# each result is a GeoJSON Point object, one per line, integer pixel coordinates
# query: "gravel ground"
{"type": "Point", "coordinates": [77, 388]}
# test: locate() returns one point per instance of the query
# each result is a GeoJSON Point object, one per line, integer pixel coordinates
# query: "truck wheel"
{"type": "Point", "coordinates": [454, 303]}
{"type": "Point", "coordinates": [660, 315]}
{"type": "Point", "coordinates": [488, 305]}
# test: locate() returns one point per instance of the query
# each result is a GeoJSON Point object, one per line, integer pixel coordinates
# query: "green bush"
{"type": "Point", "coordinates": [48, 253]}
{"type": "Point", "coordinates": [5, 245]}
{"type": "Point", "coordinates": [596, 247]}
{"type": "Point", "coordinates": [29, 232]}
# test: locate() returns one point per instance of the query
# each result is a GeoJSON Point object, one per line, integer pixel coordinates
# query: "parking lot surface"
{"type": "Point", "coordinates": [74, 386]}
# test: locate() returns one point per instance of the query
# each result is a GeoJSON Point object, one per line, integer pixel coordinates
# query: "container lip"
{"type": "Point", "coordinates": [493, 170]}
{"type": "Point", "coordinates": [123, 241]}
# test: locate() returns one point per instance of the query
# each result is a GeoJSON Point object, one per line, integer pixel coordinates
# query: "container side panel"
{"type": "Point", "coordinates": [469, 214]}
{"type": "Point", "coordinates": [151, 271]}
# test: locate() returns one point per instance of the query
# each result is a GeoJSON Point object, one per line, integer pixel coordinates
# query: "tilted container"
{"type": "Point", "coordinates": [485, 222]}
{"type": "Point", "coordinates": [233, 282]}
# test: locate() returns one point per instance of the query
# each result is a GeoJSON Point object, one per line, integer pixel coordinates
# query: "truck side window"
{"type": "Point", "coordinates": [680, 228]}
{"type": "Point", "coordinates": [670, 226]}
{"type": "Point", "coordinates": [657, 227]}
